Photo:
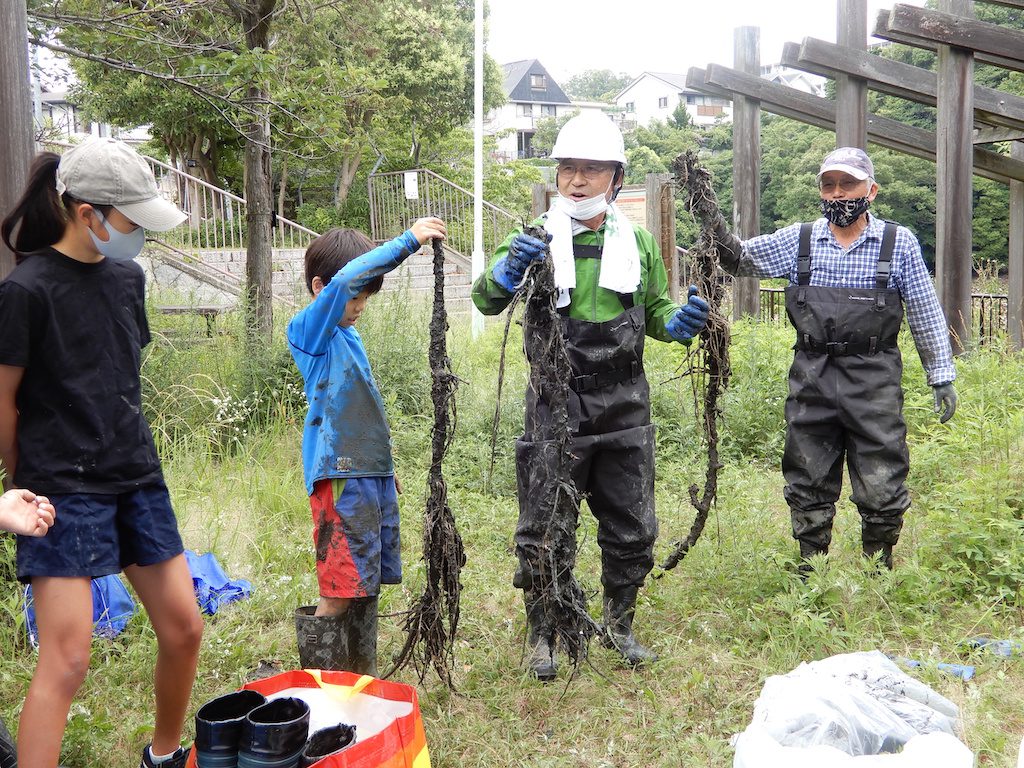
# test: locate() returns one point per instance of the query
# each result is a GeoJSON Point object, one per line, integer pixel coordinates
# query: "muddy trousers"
{"type": "Point", "coordinates": [846, 407]}
{"type": "Point", "coordinates": [615, 472]}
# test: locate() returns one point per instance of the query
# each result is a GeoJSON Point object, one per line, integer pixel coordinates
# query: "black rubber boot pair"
{"type": "Point", "coordinates": [327, 742]}
{"type": "Point", "coordinates": [619, 608]}
{"type": "Point", "coordinates": [244, 730]}
{"type": "Point", "coordinates": [347, 641]}
{"type": "Point", "coordinates": [540, 638]}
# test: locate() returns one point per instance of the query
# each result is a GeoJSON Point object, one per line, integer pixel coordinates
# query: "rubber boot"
{"type": "Point", "coordinates": [540, 637]}
{"type": "Point", "coordinates": [219, 728]}
{"type": "Point", "coordinates": [323, 640]}
{"type": "Point", "coordinates": [361, 618]}
{"type": "Point", "coordinates": [880, 548]}
{"type": "Point", "coordinates": [619, 607]}
{"type": "Point", "coordinates": [807, 551]}
{"type": "Point", "coordinates": [327, 742]}
{"type": "Point", "coordinates": [274, 734]}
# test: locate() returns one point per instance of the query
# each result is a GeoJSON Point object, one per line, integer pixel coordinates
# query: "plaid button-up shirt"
{"type": "Point", "coordinates": [832, 266]}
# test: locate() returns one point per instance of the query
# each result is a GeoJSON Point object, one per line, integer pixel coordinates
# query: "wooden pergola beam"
{"type": "Point", "coordinates": [924, 28]}
{"type": "Point", "coordinates": [991, 107]}
{"type": "Point", "coordinates": [717, 80]}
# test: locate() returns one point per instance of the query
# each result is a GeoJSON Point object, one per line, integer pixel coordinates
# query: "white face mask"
{"type": "Point", "coordinates": [119, 245]}
{"type": "Point", "coordinates": [582, 210]}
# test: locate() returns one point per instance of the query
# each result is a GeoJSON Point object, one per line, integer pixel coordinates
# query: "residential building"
{"type": "Point", "coordinates": [794, 78]}
{"type": "Point", "coordinates": [655, 96]}
{"type": "Point", "coordinates": [531, 95]}
{"type": "Point", "coordinates": [60, 120]}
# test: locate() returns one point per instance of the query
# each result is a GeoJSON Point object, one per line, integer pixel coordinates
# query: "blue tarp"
{"type": "Point", "coordinates": [212, 585]}
{"type": "Point", "coordinates": [112, 607]}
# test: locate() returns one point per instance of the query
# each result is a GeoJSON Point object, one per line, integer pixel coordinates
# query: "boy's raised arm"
{"type": "Point", "coordinates": [314, 325]}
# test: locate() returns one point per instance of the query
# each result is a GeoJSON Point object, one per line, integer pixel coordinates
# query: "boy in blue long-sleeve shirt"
{"type": "Point", "coordinates": [346, 447]}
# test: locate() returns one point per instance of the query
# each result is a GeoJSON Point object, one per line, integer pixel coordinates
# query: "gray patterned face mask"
{"type": "Point", "coordinates": [843, 213]}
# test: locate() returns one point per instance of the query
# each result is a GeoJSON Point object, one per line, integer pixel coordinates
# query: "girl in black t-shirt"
{"type": "Point", "coordinates": [71, 427]}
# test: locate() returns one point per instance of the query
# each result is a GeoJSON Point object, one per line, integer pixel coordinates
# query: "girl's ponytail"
{"type": "Point", "coordinates": [40, 211]}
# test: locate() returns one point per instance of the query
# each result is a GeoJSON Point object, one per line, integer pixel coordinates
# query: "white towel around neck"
{"type": "Point", "coordinates": [620, 259]}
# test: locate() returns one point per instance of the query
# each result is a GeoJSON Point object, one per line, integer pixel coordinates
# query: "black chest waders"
{"type": "Point", "coordinates": [612, 447]}
{"type": "Point", "coordinates": [845, 399]}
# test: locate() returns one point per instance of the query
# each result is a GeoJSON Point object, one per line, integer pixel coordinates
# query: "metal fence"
{"type": "Point", "coordinates": [216, 217]}
{"type": "Point", "coordinates": [398, 198]}
{"type": "Point", "coordinates": [989, 311]}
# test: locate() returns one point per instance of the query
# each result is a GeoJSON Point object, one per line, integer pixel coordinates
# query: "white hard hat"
{"type": "Point", "coordinates": [590, 136]}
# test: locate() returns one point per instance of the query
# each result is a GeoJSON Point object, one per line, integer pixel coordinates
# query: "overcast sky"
{"type": "Point", "coordinates": [634, 36]}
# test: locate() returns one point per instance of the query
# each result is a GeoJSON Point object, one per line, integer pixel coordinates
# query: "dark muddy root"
{"type": "Point", "coordinates": [709, 364]}
{"type": "Point", "coordinates": [433, 620]}
{"type": "Point", "coordinates": [544, 346]}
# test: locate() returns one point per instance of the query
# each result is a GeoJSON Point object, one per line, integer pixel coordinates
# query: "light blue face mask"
{"type": "Point", "coordinates": [120, 246]}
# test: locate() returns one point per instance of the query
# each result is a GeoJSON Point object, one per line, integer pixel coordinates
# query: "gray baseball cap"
{"type": "Point", "coordinates": [851, 160]}
{"type": "Point", "coordinates": [105, 171]}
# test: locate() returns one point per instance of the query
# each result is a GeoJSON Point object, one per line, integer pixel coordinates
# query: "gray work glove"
{"type": "Point", "coordinates": [945, 401]}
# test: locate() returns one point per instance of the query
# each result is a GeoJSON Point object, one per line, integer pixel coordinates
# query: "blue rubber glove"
{"type": "Point", "coordinates": [945, 401]}
{"type": "Point", "coordinates": [509, 271]}
{"type": "Point", "coordinates": [690, 319]}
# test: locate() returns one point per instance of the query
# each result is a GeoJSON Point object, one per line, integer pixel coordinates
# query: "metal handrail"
{"type": "Point", "coordinates": [213, 224]}
{"type": "Point", "coordinates": [391, 211]}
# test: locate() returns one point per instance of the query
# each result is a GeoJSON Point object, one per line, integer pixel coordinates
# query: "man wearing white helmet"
{"type": "Point", "coordinates": [613, 291]}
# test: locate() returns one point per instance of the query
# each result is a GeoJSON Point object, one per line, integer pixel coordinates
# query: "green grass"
{"type": "Point", "coordinates": [730, 615]}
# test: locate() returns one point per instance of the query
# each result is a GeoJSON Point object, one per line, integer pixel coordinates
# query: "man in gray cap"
{"type": "Point", "coordinates": [850, 276]}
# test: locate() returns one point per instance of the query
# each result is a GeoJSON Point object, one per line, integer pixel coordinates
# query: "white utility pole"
{"type": "Point", "coordinates": [478, 159]}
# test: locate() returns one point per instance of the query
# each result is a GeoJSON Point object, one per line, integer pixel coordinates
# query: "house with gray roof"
{"type": "Point", "coordinates": [532, 95]}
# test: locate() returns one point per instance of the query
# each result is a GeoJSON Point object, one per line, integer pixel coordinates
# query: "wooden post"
{"type": "Point", "coordinates": [16, 143]}
{"type": "Point", "coordinates": [852, 92]}
{"type": "Point", "coordinates": [540, 196]}
{"type": "Point", "coordinates": [954, 191]}
{"type": "Point", "coordinates": [661, 221]}
{"type": "Point", "coordinates": [746, 168]}
{"type": "Point", "coordinates": [1015, 316]}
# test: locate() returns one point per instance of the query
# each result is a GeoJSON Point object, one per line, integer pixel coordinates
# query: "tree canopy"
{"type": "Point", "coordinates": [596, 85]}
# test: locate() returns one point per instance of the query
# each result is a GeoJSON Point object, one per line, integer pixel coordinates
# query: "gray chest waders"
{"type": "Point", "coordinates": [612, 445]}
{"type": "Point", "coordinates": [845, 398]}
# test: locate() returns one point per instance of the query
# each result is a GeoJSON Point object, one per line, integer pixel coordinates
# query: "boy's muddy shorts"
{"type": "Point", "coordinates": [355, 534]}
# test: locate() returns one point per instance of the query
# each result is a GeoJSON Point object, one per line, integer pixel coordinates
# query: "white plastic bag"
{"type": "Point", "coordinates": [854, 706]}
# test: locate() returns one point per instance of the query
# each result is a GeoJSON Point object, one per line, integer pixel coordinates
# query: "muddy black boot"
{"type": "Point", "coordinates": [619, 606]}
{"type": "Point", "coordinates": [880, 548]}
{"type": "Point", "coordinates": [326, 742]}
{"type": "Point", "coordinates": [540, 637]}
{"type": "Point", "coordinates": [807, 551]}
{"type": "Point", "coordinates": [323, 640]}
{"type": "Point", "coordinates": [362, 635]}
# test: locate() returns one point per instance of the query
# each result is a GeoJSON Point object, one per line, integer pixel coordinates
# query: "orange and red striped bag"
{"type": "Point", "coordinates": [389, 727]}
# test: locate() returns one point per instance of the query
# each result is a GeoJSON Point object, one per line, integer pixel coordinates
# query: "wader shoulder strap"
{"type": "Point", "coordinates": [594, 252]}
{"type": "Point", "coordinates": [885, 256]}
{"type": "Point", "coordinates": [803, 255]}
